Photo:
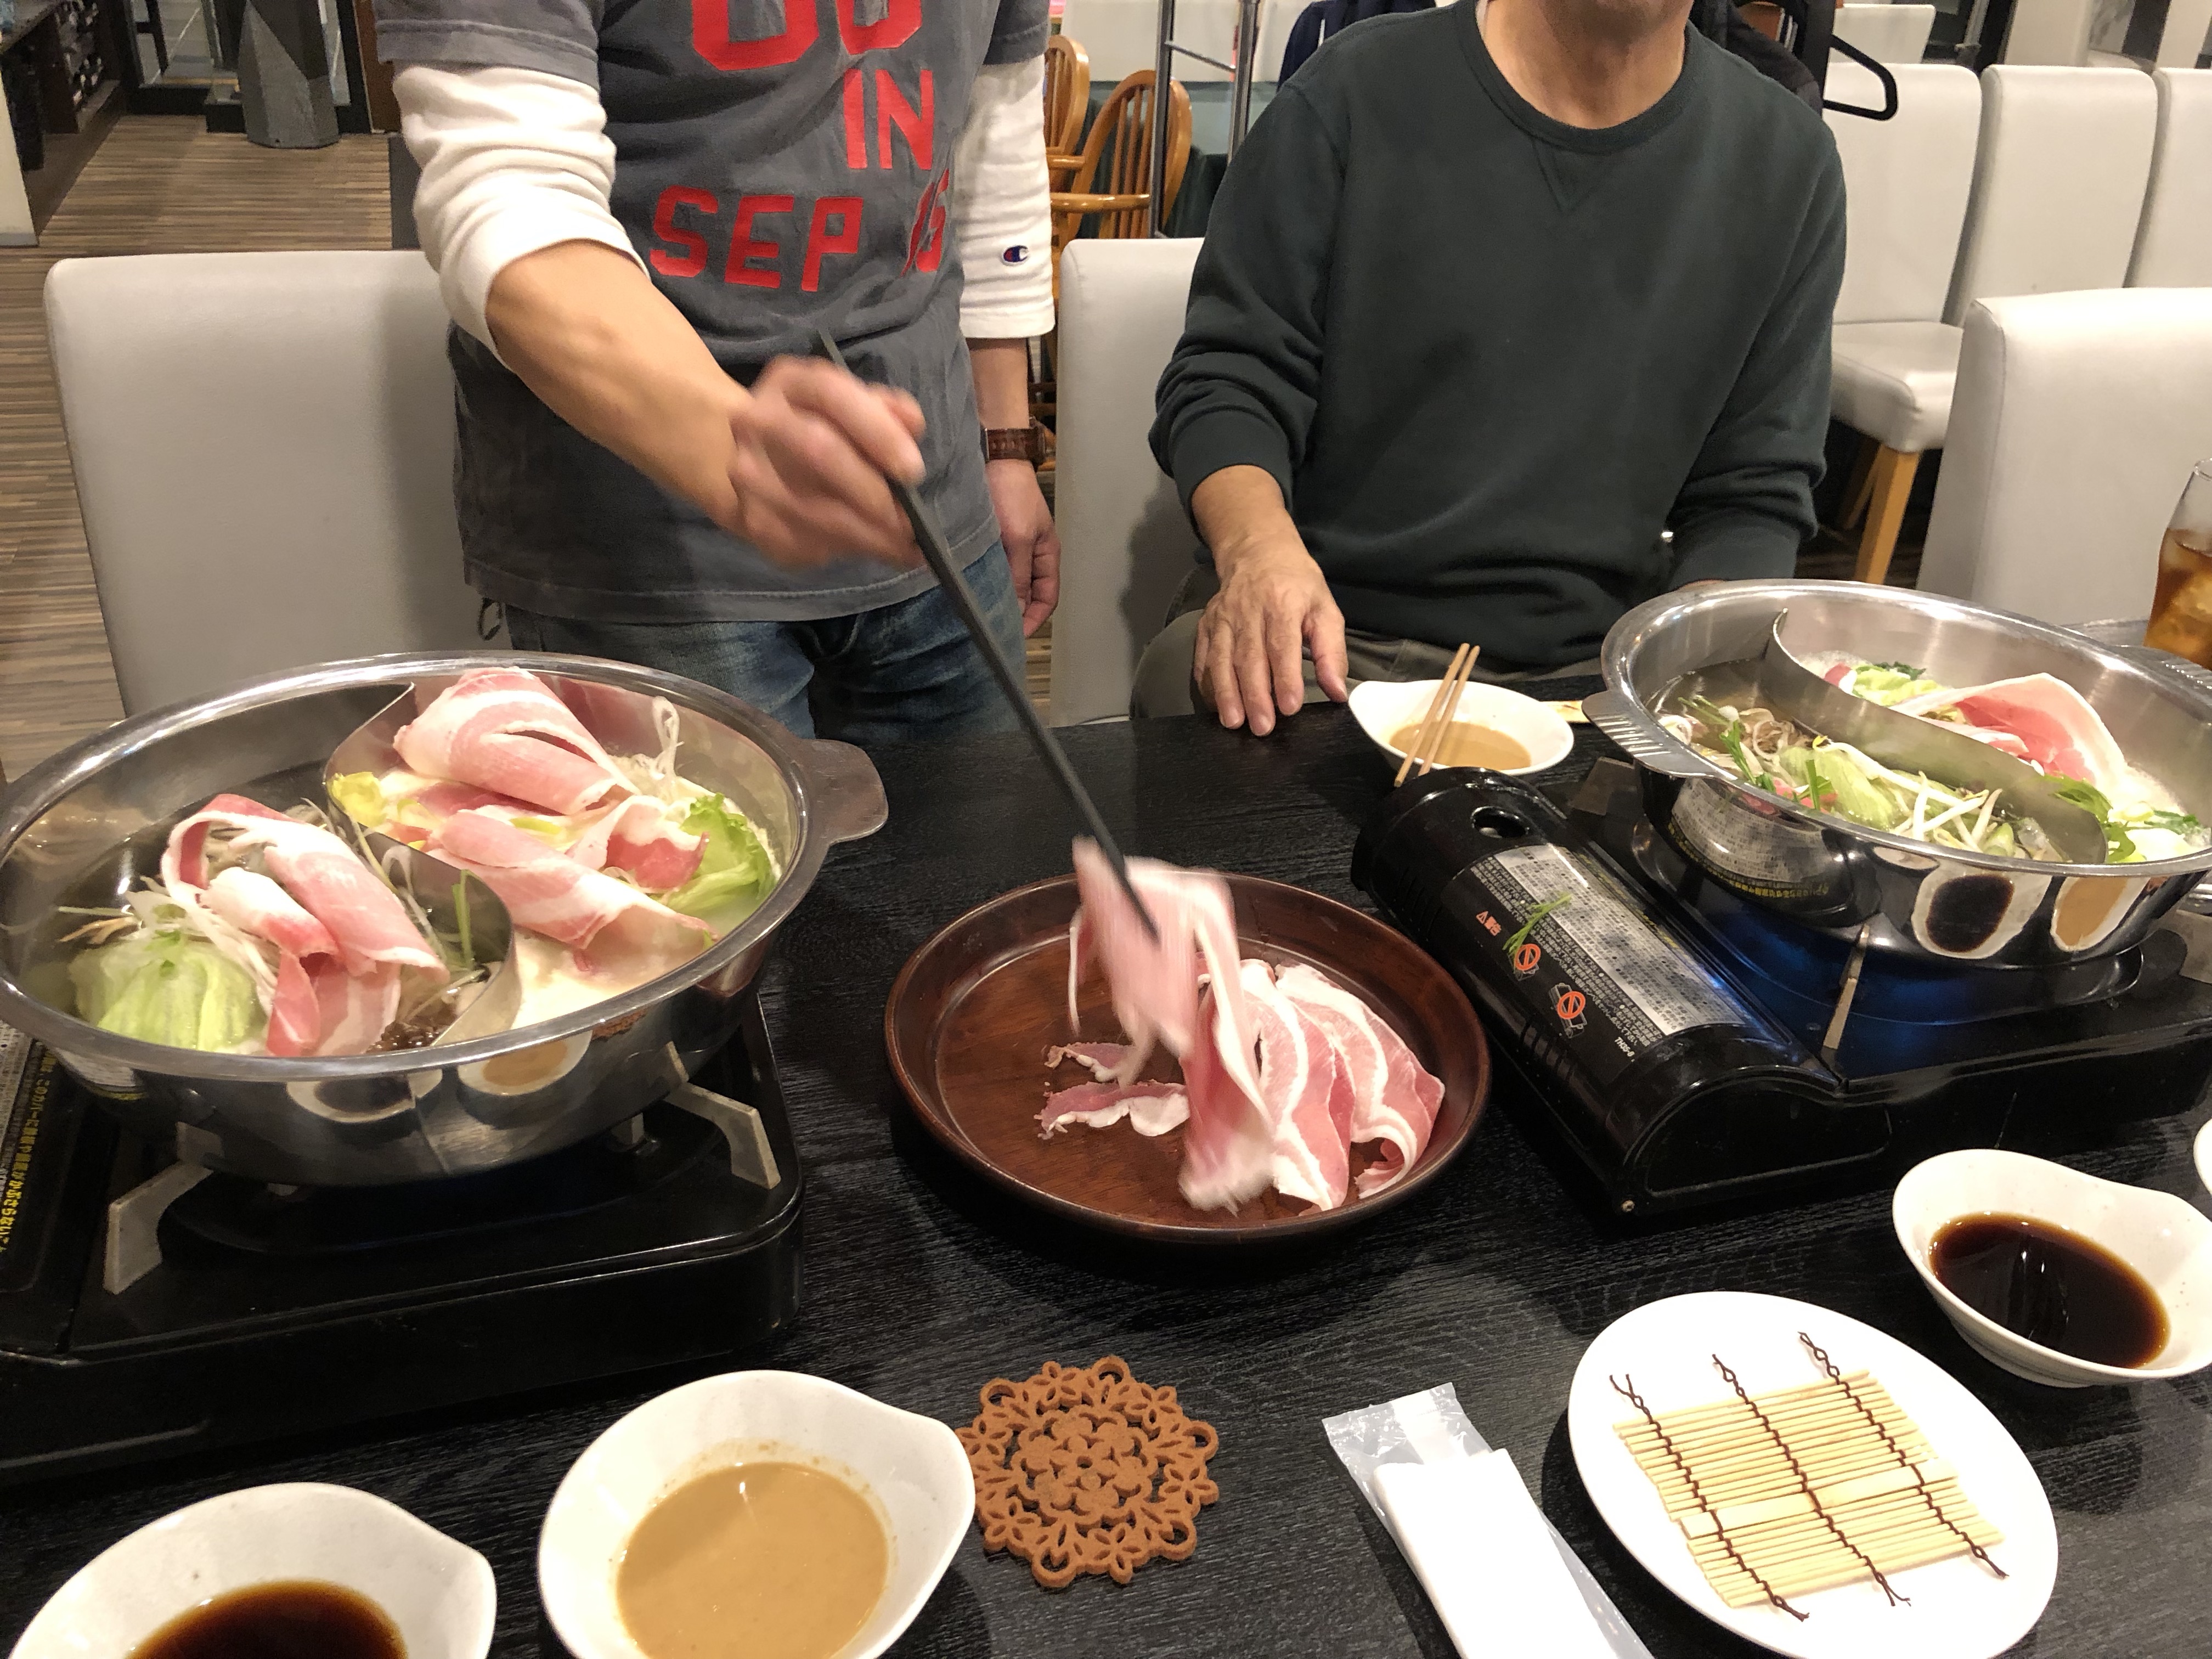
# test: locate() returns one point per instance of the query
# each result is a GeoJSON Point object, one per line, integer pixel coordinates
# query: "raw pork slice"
{"type": "Point", "coordinates": [1103, 1061]}
{"type": "Point", "coordinates": [1228, 1144]}
{"type": "Point", "coordinates": [1307, 1095]}
{"type": "Point", "coordinates": [1152, 1108]}
{"type": "Point", "coordinates": [619, 928]}
{"type": "Point", "coordinates": [1395, 1099]}
{"type": "Point", "coordinates": [645, 840]}
{"type": "Point", "coordinates": [365, 918]}
{"type": "Point", "coordinates": [2054, 725]}
{"type": "Point", "coordinates": [503, 729]}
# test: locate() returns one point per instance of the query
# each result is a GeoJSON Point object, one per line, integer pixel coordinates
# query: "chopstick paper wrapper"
{"type": "Point", "coordinates": [1502, 1579]}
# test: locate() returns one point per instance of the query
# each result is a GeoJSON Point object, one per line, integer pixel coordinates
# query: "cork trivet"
{"type": "Point", "coordinates": [1085, 1470]}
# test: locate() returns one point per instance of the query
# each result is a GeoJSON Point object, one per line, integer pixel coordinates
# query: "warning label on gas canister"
{"type": "Point", "coordinates": [1611, 982]}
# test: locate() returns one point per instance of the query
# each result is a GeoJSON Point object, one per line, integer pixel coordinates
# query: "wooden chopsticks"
{"type": "Point", "coordinates": [1429, 743]}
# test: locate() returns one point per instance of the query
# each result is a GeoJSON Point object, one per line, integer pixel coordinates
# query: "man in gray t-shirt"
{"type": "Point", "coordinates": [641, 211]}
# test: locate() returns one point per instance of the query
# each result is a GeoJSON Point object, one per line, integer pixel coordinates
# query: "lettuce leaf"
{"type": "Point", "coordinates": [362, 798]}
{"type": "Point", "coordinates": [1844, 787]}
{"type": "Point", "coordinates": [734, 874]}
{"type": "Point", "coordinates": [1890, 682]}
{"type": "Point", "coordinates": [167, 986]}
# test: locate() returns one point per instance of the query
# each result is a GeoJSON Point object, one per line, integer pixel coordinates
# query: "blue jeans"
{"type": "Point", "coordinates": [905, 672]}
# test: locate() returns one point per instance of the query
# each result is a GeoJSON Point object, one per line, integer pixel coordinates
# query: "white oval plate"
{"type": "Point", "coordinates": [1959, 1609]}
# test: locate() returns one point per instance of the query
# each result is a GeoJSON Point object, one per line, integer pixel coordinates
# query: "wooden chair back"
{"type": "Point", "coordinates": [1066, 94]}
{"type": "Point", "coordinates": [1113, 172]}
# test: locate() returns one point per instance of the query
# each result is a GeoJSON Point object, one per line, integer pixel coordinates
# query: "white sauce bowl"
{"type": "Point", "coordinates": [912, 1468]}
{"type": "Point", "coordinates": [438, 1592]}
{"type": "Point", "coordinates": [1384, 708]}
{"type": "Point", "coordinates": [2164, 1239]}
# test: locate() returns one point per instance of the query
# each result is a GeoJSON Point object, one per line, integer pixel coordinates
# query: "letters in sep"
{"type": "Point", "coordinates": [688, 220]}
{"type": "Point", "coordinates": [802, 25]}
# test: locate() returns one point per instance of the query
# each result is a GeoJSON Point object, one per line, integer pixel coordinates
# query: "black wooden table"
{"type": "Point", "coordinates": [920, 1286]}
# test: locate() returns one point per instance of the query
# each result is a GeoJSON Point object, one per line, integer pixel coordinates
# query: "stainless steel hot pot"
{"type": "Point", "coordinates": [1903, 895]}
{"type": "Point", "coordinates": [448, 1110]}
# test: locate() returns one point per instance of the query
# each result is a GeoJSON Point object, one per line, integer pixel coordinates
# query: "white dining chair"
{"type": "Point", "coordinates": [2173, 244]}
{"type": "Point", "coordinates": [2058, 182]}
{"type": "Point", "coordinates": [263, 450]}
{"type": "Point", "coordinates": [1125, 543]}
{"type": "Point", "coordinates": [1887, 34]}
{"type": "Point", "coordinates": [2077, 419]}
{"type": "Point", "coordinates": [1905, 187]}
{"type": "Point", "coordinates": [2186, 35]}
{"type": "Point", "coordinates": [2050, 32]}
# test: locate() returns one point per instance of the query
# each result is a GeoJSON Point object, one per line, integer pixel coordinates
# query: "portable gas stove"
{"type": "Point", "coordinates": [148, 1307]}
{"type": "Point", "coordinates": [1692, 1047]}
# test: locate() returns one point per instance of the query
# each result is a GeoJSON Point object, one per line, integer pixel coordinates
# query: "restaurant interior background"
{"type": "Point", "coordinates": [145, 127]}
{"type": "Point", "coordinates": [129, 136]}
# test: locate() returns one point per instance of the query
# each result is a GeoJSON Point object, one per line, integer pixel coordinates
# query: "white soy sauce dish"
{"type": "Point", "coordinates": [911, 1469]}
{"type": "Point", "coordinates": [437, 1593]}
{"type": "Point", "coordinates": [2166, 1240]}
{"type": "Point", "coordinates": [1385, 708]}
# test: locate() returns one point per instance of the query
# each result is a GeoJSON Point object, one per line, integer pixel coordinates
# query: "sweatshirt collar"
{"type": "Point", "coordinates": [1597, 141]}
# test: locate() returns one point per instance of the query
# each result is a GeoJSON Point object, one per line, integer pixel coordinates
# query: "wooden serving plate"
{"type": "Point", "coordinates": [974, 1009]}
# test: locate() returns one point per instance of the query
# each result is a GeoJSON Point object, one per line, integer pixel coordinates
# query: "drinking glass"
{"type": "Point", "coordinates": [2181, 613]}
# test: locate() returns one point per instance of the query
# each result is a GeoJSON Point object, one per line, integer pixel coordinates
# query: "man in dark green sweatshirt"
{"type": "Point", "coordinates": [1493, 298]}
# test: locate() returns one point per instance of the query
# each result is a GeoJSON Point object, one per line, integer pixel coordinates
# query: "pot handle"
{"type": "Point", "coordinates": [851, 795]}
{"type": "Point", "coordinates": [2165, 662]}
{"type": "Point", "coordinates": [1619, 720]}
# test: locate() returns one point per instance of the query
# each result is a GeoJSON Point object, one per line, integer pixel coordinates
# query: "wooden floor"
{"type": "Point", "coordinates": [159, 184]}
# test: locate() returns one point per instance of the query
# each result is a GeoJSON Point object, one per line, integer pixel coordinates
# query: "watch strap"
{"type": "Point", "coordinates": [1013, 443]}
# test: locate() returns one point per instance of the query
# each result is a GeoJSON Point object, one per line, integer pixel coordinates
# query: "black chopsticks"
{"type": "Point", "coordinates": [940, 559]}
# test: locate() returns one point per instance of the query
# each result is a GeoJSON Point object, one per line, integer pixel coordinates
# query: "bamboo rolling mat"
{"type": "Point", "coordinates": [1804, 1489]}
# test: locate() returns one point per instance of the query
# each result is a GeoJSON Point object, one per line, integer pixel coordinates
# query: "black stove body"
{"type": "Point", "coordinates": [1691, 1048]}
{"type": "Point", "coordinates": [147, 1310]}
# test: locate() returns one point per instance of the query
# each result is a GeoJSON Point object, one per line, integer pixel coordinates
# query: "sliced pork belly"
{"type": "Point", "coordinates": [503, 729]}
{"type": "Point", "coordinates": [1395, 1099]}
{"type": "Point", "coordinates": [1307, 1095]}
{"type": "Point", "coordinates": [619, 929]}
{"type": "Point", "coordinates": [354, 1008]}
{"type": "Point", "coordinates": [1103, 1061]}
{"type": "Point", "coordinates": [249, 900]}
{"type": "Point", "coordinates": [1153, 981]}
{"type": "Point", "coordinates": [2053, 724]}
{"type": "Point", "coordinates": [644, 839]}
{"type": "Point", "coordinates": [1152, 1108]}
{"type": "Point", "coordinates": [1228, 1144]}
{"type": "Point", "coordinates": [365, 918]}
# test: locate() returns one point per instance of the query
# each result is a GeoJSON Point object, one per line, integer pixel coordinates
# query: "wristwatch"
{"type": "Point", "coordinates": [1014, 443]}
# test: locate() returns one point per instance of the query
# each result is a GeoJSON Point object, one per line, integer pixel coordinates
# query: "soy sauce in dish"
{"type": "Point", "coordinates": [2053, 1286]}
{"type": "Point", "coordinates": [287, 1618]}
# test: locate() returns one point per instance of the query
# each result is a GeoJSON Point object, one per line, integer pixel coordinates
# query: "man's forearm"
{"type": "Point", "coordinates": [1002, 381]}
{"type": "Point", "coordinates": [589, 333]}
{"type": "Point", "coordinates": [1240, 509]}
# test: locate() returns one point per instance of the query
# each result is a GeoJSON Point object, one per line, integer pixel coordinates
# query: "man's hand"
{"type": "Point", "coordinates": [1032, 543]}
{"type": "Point", "coordinates": [812, 445]}
{"type": "Point", "coordinates": [1275, 606]}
